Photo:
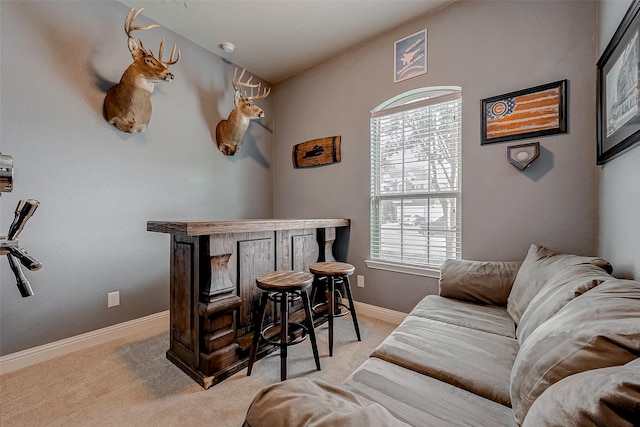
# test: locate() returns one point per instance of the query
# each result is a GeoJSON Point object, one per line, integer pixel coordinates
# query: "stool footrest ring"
{"type": "Point", "coordinates": [297, 334]}
{"type": "Point", "coordinates": [343, 309]}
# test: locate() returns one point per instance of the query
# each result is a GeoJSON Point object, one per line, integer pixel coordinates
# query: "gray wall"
{"type": "Point", "coordinates": [98, 186]}
{"type": "Point", "coordinates": [488, 48]}
{"type": "Point", "coordinates": [619, 179]}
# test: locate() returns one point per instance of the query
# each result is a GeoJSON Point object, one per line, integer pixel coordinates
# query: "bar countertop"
{"type": "Point", "coordinates": [204, 228]}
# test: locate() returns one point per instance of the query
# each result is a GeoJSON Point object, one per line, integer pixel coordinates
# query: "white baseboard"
{"type": "Point", "coordinates": [381, 313]}
{"type": "Point", "coordinates": [28, 357]}
{"type": "Point", "coordinates": [31, 356]}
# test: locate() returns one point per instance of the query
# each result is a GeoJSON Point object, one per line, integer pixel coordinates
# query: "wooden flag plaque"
{"type": "Point", "coordinates": [316, 152]}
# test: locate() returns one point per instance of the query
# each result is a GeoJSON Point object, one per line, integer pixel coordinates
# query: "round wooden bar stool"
{"type": "Point", "coordinates": [336, 272]}
{"type": "Point", "coordinates": [282, 287]}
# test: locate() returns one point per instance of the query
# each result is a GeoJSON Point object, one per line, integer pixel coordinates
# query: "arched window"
{"type": "Point", "coordinates": [415, 180]}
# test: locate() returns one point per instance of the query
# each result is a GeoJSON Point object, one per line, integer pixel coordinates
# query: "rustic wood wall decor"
{"type": "Point", "coordinates": [316, 152]}
{"type": "Point", "coordinates": [128, 103]}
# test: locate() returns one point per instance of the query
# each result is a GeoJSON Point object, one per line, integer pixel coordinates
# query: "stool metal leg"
{"type": "Point", "coordinates": [257, 332]}
{"type": "Point", "coordinates": [331, 302]}
{"type": "Point", "coordinates": [352, 308]}
{"type": "Point", "coordinates": [312, 334]}
{"type": "Point", "coordinates": [284, 333]}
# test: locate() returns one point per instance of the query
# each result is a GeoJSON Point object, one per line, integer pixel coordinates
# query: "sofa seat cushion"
{"type": "Point", "coordinates": [564, 286]}
{"type": "Point", "coordinates": [483, 282]}
{"type": "Point", "coordinates": [605, 396]}
{"type": "Point", "coordinates": [420, 400]}
{"type": "Point", "coordinates": [487, 318]}
{"type": "Point", "coordinates": [477, 361]}
{"type": "Point", "coordinates": [538, 267]}
{"type": "Point", "coordinates": [314, 403]}
{"type": "Point", "coordinates": [599, 329]}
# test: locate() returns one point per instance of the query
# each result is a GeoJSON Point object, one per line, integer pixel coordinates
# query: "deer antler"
{"type": "Point", "coordinates": [238, 82]}
{"type": "Point", "coordinates": [129, 28]}
{"type": "Point", "coordinates": [171, 61]}
{"type": "Point", "coordinates": [235, 82]}
{"type": "Point", "coordinates": [265, 92]}
{"type": "Point", "coordinates": [128, 23]}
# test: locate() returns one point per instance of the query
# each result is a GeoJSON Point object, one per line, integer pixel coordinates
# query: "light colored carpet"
{"type": "Point", "coordinates": [129, 382]}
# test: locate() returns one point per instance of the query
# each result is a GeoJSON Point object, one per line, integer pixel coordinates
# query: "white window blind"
{"type": "Point", "coordinates": [415, 178]}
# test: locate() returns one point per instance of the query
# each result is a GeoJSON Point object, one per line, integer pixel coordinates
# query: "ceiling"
{"type": "Point", "coordinates": [276, 39]}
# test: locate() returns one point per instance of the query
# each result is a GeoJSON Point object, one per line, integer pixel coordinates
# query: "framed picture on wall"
{"type": "Point", "coordinates": [410, 56]}
{"type": "Point", "coordinates": [527, 113]}
{"type": "Point", "coordinates": [618, 94]}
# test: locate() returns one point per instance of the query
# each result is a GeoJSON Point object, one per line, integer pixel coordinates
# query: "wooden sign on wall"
{"type": "Point", "coordinates": [316, 152]}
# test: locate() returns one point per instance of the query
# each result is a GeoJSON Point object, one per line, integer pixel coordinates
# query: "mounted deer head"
{"type": "Point", "coordinates": [128, 103]}
{"type": "Point", "coordinates": [230, 132]}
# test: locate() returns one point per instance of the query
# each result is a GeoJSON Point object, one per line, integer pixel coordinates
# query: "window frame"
{"type": "Point", "coordinates": [406, 102]}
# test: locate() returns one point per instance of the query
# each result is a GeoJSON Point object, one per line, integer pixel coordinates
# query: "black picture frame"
{"type": "Point", "coordinates": [618, 102]}
{"type": "Point", "coordinates": [500, 112]}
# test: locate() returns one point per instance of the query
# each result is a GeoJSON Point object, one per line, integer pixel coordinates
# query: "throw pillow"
{"type": "Point", "coordinates": [598, 329]}
{"type": "Point", "coordinates": [556, 293]}
{"type": "Point", "coordinates": [538, 267]}
{"type": "Point", "coordinates": [602, 397]}
{"type": "Point", "coordinates": [484, 282]}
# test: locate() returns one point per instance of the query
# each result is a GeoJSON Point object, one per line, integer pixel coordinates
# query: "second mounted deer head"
{"type": "Point", "coordinates": [128, 103]}
{"type": "Point", "coordinates": [230, 132]}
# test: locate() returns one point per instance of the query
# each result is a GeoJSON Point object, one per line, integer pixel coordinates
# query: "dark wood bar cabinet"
{"type": "Point", "coordinates": [213, 296]}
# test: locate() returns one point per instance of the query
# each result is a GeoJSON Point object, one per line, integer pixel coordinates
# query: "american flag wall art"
{"type": "Point", "coordinates": [528, 113]}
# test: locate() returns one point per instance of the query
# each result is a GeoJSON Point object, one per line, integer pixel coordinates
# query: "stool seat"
{"type": "Point", "coordinates": [284, 281]}
{"type": "Point", "coordinates": [284, 287]}
{"type": "Point", "coordinates": [332, 268]}
{"type": "Point", "coordinates": [334, 272]}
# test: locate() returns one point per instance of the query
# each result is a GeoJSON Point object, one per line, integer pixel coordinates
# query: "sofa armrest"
{"type": "Point", "coordinates": [308, 402]}
{"type": "Point", "coordinates": [485, 282]}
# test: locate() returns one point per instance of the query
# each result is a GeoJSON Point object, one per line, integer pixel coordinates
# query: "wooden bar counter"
{"type": "Point", "coordinates": [213, 296]}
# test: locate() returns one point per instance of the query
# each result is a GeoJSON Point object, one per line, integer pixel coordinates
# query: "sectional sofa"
{"type": "Point", "coordinates": [553, 340]}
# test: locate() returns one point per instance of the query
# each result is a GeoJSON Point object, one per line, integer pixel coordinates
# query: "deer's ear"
{"type": "Point", "coordinates": [133, 47]}
{"type": "Point", "coordinates": [236, 96]}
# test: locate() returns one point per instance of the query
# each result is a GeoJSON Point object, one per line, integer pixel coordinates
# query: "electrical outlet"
{"type": "Point", "coordinates": [113, 299]}
{"type": "Point", "coordinates": [360, 281]}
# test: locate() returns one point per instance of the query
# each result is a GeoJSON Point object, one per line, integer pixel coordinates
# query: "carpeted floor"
{"type": "Point", "coordinates": [129, 382]}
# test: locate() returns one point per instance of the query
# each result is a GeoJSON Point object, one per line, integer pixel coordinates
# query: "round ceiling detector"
{"type": "Point", "coordinates": [228, 47]}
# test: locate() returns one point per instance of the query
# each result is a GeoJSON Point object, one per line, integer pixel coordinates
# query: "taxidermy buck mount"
{"type": "Point", "coordinates": [230, 132]}
{"type": "Point", "coordinates": [128, 103]}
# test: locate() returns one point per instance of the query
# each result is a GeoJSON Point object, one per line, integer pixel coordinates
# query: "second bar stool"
{"type": "Point", "coordinates": [336, 272]}
{"type": "Point", "coordinates": [283, 287]}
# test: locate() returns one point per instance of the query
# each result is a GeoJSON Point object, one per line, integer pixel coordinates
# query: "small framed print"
{"type": "Point", "coordinates": [410, 55]}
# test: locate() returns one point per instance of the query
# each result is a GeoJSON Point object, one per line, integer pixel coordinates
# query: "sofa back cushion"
{"type": "Point", "coordinates": [540, 265]}
{"type": "Point", "coordinates": [601, 328]}
{"type": "Point", "coordinates": [606, 396]}
{"type": "Point", "coordinates": [567, 284]}
{"type": "Point", "coordinates": [484, 282]}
